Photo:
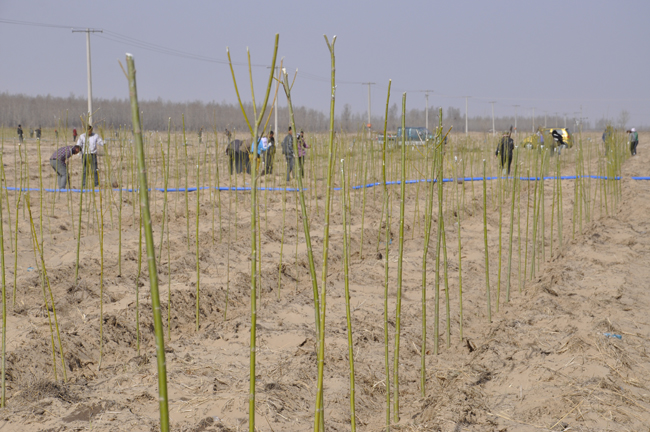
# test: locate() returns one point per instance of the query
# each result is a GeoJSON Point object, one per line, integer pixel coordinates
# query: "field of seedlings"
{"type": "Point", "coordinates": [513, 303]}
{"type": "Point", "coordinates": [383, 286]}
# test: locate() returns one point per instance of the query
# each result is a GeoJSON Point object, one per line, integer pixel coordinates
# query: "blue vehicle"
{"type": "Point", "coordinates": [415, 135]}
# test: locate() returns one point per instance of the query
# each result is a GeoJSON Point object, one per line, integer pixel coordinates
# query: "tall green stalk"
{"type": "Point", "coordinates": [485, 239]}
{"type": "Point", "coordinates": [400, 262]}
{"type": "Point", "coordinates": [198, 210]}
{"type": "Point", "coordinates": [460, 259]}
{"type": "Point", "coordinates": [187, 169]}
{"type": "Point", "coordinates": [49, 287]}
{"type": "Point", "coordinates": [4, 301]}
{"type": "Point", "coordinates": [386, 251]}
{"type": "Point", "coordinates": [166, 160]}
{"type": "Point", "coordinates": [512, 226]}
{"type": "Point", "coordinates": [348, 314]}
{"type": "Point", "coordinates": [254, 222]}
{"type": "Point", "coordinates": [427, 236]}
{"type": "Point", "coordinates": [319, 417]}
{"type": "Point", "coordinates": [81, 195]}
{"type": "Point", "coordinates": [151, 259]}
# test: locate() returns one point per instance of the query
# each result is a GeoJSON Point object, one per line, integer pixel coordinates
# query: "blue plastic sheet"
{"type": "Point", "coordinates": [292, 189]}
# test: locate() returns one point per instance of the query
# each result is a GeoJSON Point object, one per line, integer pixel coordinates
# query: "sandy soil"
{"type": "Point", "coordinates": [543, 363]}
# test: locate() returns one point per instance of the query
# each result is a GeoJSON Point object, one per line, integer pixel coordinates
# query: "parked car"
{"type": "Point", "coordinates": [413, 136]}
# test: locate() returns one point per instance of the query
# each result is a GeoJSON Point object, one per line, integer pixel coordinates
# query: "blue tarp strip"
{"type": "Point", "coordinates": [291, 189]}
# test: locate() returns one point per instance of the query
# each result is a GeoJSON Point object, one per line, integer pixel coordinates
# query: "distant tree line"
{"type": "Point", "coordinates": [54, 112]}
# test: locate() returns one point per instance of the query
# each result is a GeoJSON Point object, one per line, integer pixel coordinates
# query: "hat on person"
{"type": "Point", "coordinates": [633, 130]}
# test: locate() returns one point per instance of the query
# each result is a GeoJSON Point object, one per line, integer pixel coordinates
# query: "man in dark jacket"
{"type": "Point", "coordinates": [20, 134]}
{"type": "Point", "coordinates": [505, 148]}
{"type": "Point", "coordinates": [287, 150]}
{"type": "Point", "coordinates": [238, 157]}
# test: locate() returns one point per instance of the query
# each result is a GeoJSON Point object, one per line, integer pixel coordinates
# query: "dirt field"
{"type": "Point", "coordinates": [569, 352]}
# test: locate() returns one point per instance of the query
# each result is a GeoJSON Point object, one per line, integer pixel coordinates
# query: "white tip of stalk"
{"type": "Point", "coordinates": [129, 55]}
{"type": "Point", "coordinates": [284, 70]}
{"type": "Point", "coordinates": [483, 160]}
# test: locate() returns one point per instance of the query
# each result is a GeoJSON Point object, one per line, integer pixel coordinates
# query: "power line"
{"type": "Point", "coordinates": [32, 24]}
{"type": "Point", "coordinates": [149, 46]}
{"type": "Point", "coordinates": [161, 49]}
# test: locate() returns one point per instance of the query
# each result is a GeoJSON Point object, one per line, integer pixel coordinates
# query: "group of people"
{"type": "Point", "coordinates": [88, 144]}
{"type": "Point", "coordinates": [264, 152]}
{"type": "Point", "coordinates": [20, 133]}
{"type": "Point", "coordinates": [632, 138]}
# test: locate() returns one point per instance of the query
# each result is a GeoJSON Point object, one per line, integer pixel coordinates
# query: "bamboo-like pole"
{"type": "Point", "coordinates": [153, 272]}
{"type": "Point", "coordinates": [319, 417]}
{"type": "Point", "coordinates": [387, 240]}
{"type": "Point", "coordinates": [13, 304]}
{"type": "Point", "coordinates": [166, 180]}
{"type": "Point", "coordinates": [485, 239]}
{"type": "Point", "coordinates": [187, 168]}
{"type": "Point", "coordinates": [400, 262]}
{"type": "Point", "coordinates": [500, 191]}
{"type": "Point", "coordinates": [436, 310]}
{"type": "Point", "coordinates": [4, 299]}
{"type": "Point", "coordinates": [441, 224]}
{"type": "Point", "coordinates": [460, 252]}
{"type": "Point", "coordinates": [348, 314]}
{"type": "Point", "coordinates": [81, 195]}
{"type": "Point", "coordinates": [527, 221]}
{"type": "Point", "coordinates": [52, 305]}
{"type": "Point", "coordinates": [427, 236]}
{"type": "Point", "coordinates": [363, 206]}
{"type": "Point", "coordinates": [254, 226]}
{"type": "Point", "coordinates": [119, 212]}
{"type": "Point", "coordinates": [101, 280]}
{"type": "Point", "coordinates": [198, 211]}
{"type": "Point", "coordinates": [512, 226]}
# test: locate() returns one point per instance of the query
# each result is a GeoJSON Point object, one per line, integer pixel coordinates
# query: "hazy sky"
{"type": "Point", "coordinates": [554, 56]}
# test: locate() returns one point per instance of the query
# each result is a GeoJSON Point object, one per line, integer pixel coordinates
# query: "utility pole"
{"type": "Point", "coordinates": [545, 112]}
{"type": "Point", "coordinates": [275, 102]}
{"type": "Point", "coordinates": [565, 120]}
{"type": "Point", "coordinates": [494, 132]}
{"type": "Point", "coordinates": [88, 31]}
{"type": "Point", "coordinates": [516, 106]}
{"type": "Point", "coordinates": [277, 85]}
{"type": "Point", "coordinates": [533, 120]}
{"type": "Point", "coordinates": [368, 125]}
{"type": "Point", "coordinates": [466, 118]}
{"type": "Point", "coordinates": [426, 108]}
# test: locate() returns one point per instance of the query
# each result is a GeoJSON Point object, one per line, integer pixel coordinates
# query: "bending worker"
{"type": "Point", "coordinates": [505, 148]}
{"type": "Point", "coordinates": [58, 162]}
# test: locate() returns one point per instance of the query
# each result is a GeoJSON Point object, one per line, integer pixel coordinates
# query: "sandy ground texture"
{"type": "Point", "coordinates": [568, 352]}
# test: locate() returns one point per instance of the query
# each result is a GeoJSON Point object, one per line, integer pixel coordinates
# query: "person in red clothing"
{"type": "Point", "coordinates": [74, 134]}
